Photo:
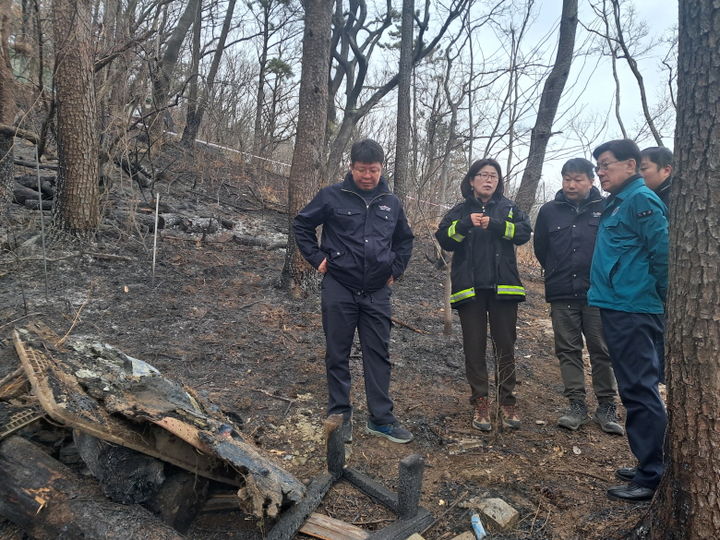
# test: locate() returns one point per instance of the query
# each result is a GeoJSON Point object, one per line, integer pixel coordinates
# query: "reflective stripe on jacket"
{"type": "Point", "coordinates": [484, 258]}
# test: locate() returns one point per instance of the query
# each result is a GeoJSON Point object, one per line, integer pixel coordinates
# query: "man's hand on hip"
{"type": "Point", "coordinates": [323, 266]}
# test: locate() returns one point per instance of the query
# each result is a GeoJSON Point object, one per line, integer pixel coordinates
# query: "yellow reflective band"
{"type": "Point", "coordinates": [511, 289]}
{"type": "Point", "coordinates": [455, 235]}
{"type": "Point", "coordinates": [510, 214]}
{"type": "Point", "coordinates": [462, 295]}
{"type": "Point", "coordinates": [509, 230]}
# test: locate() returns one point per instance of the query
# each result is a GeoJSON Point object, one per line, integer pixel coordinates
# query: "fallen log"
{"type": "Point", "coordinates": [34, 204]}
{"type": "Point", "coordinates": [47, 500]}
{"type": "Point", "coordinates": [34, 164]}
{"type": "Point", "coordinates": [247, 240]}
{"type": "Point", "coordinates": [22, 193]}
{"type": "Point", "coordinates": [47, 183]}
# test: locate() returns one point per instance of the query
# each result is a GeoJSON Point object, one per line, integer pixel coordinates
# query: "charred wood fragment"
{"type": "Point", "coordinates": [47, 500]}
{"type": "Point", "coordinates": [125, 475]}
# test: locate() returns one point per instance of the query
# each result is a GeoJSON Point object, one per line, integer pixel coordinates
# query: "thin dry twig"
{"type": "Point", "coordinates": [20, 319]}
{"type": "Point", "coordinates": [405, 325]}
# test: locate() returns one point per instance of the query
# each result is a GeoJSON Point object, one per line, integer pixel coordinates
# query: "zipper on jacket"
{"type": "Point", "coordinates": [367, 213]}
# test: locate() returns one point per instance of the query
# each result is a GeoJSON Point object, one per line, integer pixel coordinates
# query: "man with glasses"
{"type": "Point", "coordinates": [365, 246]}
{"type": "Point", "coordinates": [628, 281]}
{"type": "Point", "coordinates": [564, 240]}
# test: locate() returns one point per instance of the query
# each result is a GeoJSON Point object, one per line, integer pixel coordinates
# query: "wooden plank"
{"type": "Point", "coordinates": [327, 528]}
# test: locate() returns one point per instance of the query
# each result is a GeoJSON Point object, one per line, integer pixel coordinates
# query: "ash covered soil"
{"type": "Point", "coordinates": [213, 318]}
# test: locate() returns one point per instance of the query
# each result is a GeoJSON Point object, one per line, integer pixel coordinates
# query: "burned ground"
{"type": "Point", "coordinates": [214, 319]}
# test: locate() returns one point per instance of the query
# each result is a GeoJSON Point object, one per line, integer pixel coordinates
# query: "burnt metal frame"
{"type": "Point", "coordinates": [412, 518]}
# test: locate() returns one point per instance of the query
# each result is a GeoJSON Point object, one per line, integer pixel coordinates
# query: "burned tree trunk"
{"type": "Point", "coordinates": [48, 500]}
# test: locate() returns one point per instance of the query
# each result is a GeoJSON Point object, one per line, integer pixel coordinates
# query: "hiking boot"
{"type": "Point", "coordinates": [392, 432]}
{"type": "Point", "coordinates": [576, 416]}
{"type": "Point", "coordinates": [481, 416]}
{"type": "Point", "coordinates": [346, 429]}
{"type": "Point", "coordinates": [509, 416]}
{"type": "Point", "coordinates": [606, 416]}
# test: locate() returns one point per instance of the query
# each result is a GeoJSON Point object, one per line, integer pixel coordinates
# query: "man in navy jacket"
{"type": "Point", "coordinates": [365, 246]}
{"type": "Point", "coordinates": [565, 233]}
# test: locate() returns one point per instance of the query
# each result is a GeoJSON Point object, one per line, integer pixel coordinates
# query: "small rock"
{"type": "Point", "coordinates": [576, 451]}
{"type": "Point", "coordinates": [415, 536]}
{"type": "Point", "coordinates": [499, 515]}
{"type": "Point", "coordinates": [540, 422]}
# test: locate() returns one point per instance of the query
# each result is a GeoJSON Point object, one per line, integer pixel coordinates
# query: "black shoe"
{"type": "Point", "coordinates": [630, 493]}
{"type": "Point", "coordinates": [626, 474]}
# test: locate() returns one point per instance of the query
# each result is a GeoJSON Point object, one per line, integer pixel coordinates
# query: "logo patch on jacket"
{"type": "Point", "coordinates": [645, 213]}
{"type": "Point", "coordinates": [385, 208]}
{"type": "Point", "coordinates": [596, 214]}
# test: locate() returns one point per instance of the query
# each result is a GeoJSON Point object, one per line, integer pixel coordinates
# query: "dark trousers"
{"type": "Point", "coordinates": [631, 339]}
{"type": "Point", "coordinates": [572, 320]}
{"type": "Point", "coordinates": [474, 318]}
{"type": "Point", "coordinates": [344, 311]}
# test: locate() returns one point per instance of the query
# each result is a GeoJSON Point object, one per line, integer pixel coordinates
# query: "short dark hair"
{"type": "Point", "coordinates": [659, 155]}
{"type": "Point", "coordinates": [578, 165]}
{"type": "Point", "coordinates": [466, 188]}
{"type": "Point", "coordinates": [622, 149]}
{"type": "Point", "coordinates": [367, 151]}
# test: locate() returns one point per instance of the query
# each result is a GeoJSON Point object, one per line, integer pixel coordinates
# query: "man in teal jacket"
{"type": "Point", "coordinates": [628, 281]}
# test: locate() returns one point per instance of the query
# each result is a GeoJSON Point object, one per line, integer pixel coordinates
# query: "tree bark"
{"type": "Point", "coordinates": [549, 101]}
{"type": "Point", "coordinates": [402, 144]}
{"type": "Point", "coordinates": [307, 162]}
{"type": "Point", "coordinates": [77, 209]}
{"type": "Point", "coordinates": [687, 505]}
{"type": "Point", "coordinates": [7, 106]}
{"type": "Point", "coordinates": [48, 500]}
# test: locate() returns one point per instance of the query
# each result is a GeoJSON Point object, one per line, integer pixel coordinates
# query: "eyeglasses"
{"type": "Point", "coordinates": [371, 170]}
{"type": "Point", "coordinates": [485, 176]}
{"type": "Point", "coordinates": [605, 166]}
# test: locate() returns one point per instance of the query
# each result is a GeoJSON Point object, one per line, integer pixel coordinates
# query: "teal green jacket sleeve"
{"type": "Point", "coordinates": [651, 224]}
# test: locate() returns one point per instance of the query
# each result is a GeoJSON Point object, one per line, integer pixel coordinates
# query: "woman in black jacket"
{"type": "Point", "coordinates": [482, 233]}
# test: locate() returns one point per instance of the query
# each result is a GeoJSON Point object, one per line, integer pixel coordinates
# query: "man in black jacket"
{"type": "Point", "coordinates": [564, 240]}
{"type": "Point", "coordinates": [365, 246]}
{"type": "Point", "coordinates": [656, 169]}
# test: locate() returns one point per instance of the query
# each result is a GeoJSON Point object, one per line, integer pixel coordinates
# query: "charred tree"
{"type": "Point", "coordinates": [549, 101]}
{"type": "Point", "coordinates": [7, 105]}
{"type": "Point", "coordinates": [77, 208]}
{"type": "Point", "coordinates": [686, 505]}
{"type": "Point", "coordinates": [402, 145]}
{"type": "Point", "coordinates": [307, 161]}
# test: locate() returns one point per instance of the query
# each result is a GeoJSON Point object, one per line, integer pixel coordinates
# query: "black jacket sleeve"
{"type": "Point", "coordinates": [402, 244]}
{"type": "Point", "coordinates": [541, 238]}
{"type": "Point", "coordinates": [453, 229]}
{"type": "Point", "coordinates": [304, 226]}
